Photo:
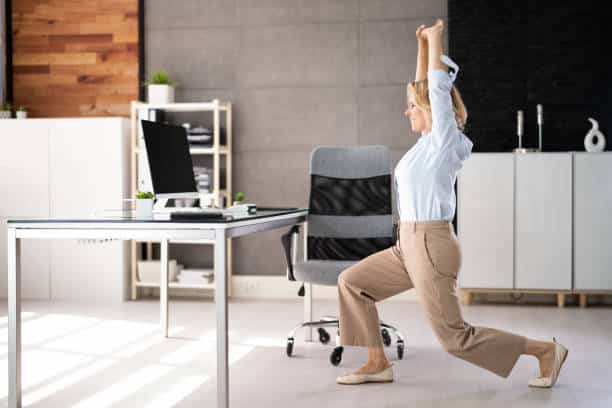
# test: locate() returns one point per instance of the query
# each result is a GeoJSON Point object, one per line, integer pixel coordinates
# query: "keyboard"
{"type": "Point", "coordinates": [187, 213]}
{"type": "Point", "coordinates": [195, 216]}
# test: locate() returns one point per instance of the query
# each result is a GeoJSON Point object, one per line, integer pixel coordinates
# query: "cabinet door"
{"type": "Point", "coordinates": [485, 220]}
{"type": "Point", "coordinates": [87, 166]}
{"type": "Point", "coordinates": [88, 172]}
{"type": "Point", "coordinates": [543, 250]}
{"type": "Point", "coordinates": [24, 168]}
{"type": "Point", "coordinates": [592, 221]}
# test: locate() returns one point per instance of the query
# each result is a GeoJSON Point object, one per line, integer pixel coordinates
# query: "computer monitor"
{"type": "Point", "coordinates": [169, 160]}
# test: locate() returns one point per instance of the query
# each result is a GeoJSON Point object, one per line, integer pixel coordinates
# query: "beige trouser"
{"type": "Point", "coordinates": [426, 257]}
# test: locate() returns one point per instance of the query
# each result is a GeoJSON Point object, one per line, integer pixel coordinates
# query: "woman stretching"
{"type": "Point", "coordinates": [426, 255]}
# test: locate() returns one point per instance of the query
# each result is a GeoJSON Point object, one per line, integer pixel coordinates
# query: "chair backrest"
{"type": "Point", "coordinates": [350, 215]}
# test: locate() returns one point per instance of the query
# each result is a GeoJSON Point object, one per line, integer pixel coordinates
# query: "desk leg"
{"type": "Point", "coordinates": [221, 306]}
{"type": "Point", "coordinates": [14, 316]}
{"type": "Point", "coordinates": [163, 287]}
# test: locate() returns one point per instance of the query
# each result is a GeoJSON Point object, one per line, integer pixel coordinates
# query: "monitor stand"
{"type": "Point", "coordinates": [161, 203]}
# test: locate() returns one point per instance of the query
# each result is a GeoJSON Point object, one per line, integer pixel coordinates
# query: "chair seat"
{"type": "Point", "coordinates": [320, 272]}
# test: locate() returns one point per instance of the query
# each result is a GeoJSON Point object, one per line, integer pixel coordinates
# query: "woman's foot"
{"type": "Point", "coordinates": [551, 360]}
{"type": "Point", "coordinates": [373, 367]}
{"type": "Point", "coordinates": [546, 359]}
{"type": "Point", "coordinates": [370, 373]}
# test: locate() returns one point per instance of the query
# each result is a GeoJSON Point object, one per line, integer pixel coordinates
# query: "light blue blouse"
{"type": "Point", "coordinates": [425, 176]}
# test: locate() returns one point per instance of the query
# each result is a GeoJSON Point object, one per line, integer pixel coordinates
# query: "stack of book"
{"type": "Point", "coordinates": [203, 136]}
{"type": "Point", "coordinates": [203, 176]}
{"type": "Point", "coordinates": [199, 136]}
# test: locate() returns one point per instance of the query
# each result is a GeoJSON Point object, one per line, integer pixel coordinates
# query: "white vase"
{"type": "Point", "coordinates": [21, 114]}
{"type": "Point", "coordinates": [5, 114]}
{"type": "Point", "coordinates": [594, 134]}
{"type": "Point", "coordinates": [144, 208]}
{"type": "Point", "coordinates": [160, 94]}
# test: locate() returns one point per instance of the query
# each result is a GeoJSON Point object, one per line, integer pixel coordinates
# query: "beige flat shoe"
{"type": "Point", "coordinates": [383, 376]}
{"type": "Point", "coordinates": [547, 382]}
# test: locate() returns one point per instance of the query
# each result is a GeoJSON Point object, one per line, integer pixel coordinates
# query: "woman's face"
{"type": "Point", "coordinates": [415, 115]}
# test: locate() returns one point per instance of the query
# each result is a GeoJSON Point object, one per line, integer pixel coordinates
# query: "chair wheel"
{"type": "Point", "coordinates": [289, 346]}
{"type": "Point", "coordinates": [336, 355]}
{"type": "Point", "coordinates": [386, 337]}
{"type": "Point", "coordinates": [400, 350]}
{"type": "Point", "coordinates": [323, 335]}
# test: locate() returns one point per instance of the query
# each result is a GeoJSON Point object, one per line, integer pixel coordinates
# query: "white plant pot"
{"type": "Point", "coordinates": [21, 114]}
{"type": "Point", "coordinates": [5, 114]}
{"type": "Point", "coordinates": [144, 208]}
{"type": "Point", "coordinates": [161, 94]}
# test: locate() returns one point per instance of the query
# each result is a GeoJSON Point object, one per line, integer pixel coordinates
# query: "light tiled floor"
{"type": "Point", "coordinates": [100, 356]}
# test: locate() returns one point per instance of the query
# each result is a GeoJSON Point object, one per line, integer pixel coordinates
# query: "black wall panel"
{"type": "Point", "coordinates": [516, 54]}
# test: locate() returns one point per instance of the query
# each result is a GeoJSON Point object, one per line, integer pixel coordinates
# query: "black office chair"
{"type": "Point", "coordinates": [349, 218]}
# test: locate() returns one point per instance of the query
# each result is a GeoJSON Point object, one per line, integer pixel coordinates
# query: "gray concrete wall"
{"type": "Point", "coordinates": [301, 73]}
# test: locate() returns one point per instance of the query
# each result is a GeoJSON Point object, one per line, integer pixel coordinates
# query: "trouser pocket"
{"type": "Point", "coordinates": [442, 251]}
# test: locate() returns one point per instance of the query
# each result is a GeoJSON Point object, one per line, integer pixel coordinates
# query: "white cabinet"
{"type": "Point", "coordinates": [65, 167]}
{"type": "Point", "coordinates": [485, 224]}
{"type": "Point", "coordinates": [543, 245]}
{"type": "Point", "coordinates": [515, 221]}
{"type": "Point", "coordinates": [592, 221]}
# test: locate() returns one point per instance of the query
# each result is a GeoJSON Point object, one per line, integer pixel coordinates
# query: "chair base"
{"type": "Point", "coordinates": [324, 337]}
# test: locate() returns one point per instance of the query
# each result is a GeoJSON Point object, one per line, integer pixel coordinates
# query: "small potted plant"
{"type": "Point", "coordinates": [5, 111]}
{"type": "Point", "coordinates": [144, 204]}
{"type": "Point", "coordinates": [238, 198]}
{"type": "Point", "coordinates": [160, 89]}
{"type": "Point", "coordinates": [21, 112]}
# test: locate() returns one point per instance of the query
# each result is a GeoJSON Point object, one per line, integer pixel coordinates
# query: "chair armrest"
{"type": "Point", "coordinates": [288, 242]}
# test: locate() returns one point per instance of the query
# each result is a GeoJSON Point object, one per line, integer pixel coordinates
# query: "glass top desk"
{"type": "Point", "coordinates": [157, 230]}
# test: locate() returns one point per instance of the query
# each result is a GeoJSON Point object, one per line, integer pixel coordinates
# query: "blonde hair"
{"type": "Point", "coordinates": [420, 91]}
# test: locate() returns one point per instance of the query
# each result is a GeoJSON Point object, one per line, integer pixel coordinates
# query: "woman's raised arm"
{"type": "Point", "coordinates": [439, 84]}
{"type": "Point", "coordinates": [421, 68]}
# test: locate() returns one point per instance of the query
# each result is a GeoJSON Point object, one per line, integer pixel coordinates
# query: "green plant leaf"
{"type": "Point", "coordinates": [144, 195]}
{"type": "Point", "coordinates": [160, 78]}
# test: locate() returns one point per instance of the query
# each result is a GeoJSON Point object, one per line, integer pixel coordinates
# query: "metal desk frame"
{"type": "Point", "coordinates": [158, 231]}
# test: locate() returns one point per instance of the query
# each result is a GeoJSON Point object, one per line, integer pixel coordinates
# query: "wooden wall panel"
{"type": "Point", "coordinates": [75, 57]}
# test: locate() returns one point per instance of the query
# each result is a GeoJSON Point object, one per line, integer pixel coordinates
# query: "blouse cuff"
{"type": "Point", "coordinates": [451, 64]}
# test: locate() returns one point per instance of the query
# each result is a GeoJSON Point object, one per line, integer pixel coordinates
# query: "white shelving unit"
{"type": "Point", "coordinates": [143, 110]}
